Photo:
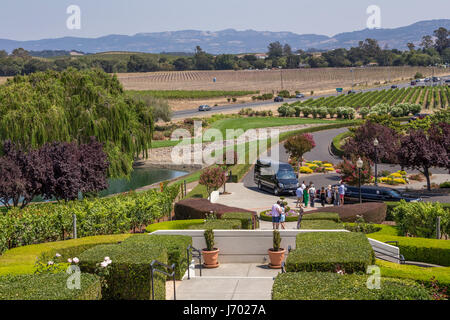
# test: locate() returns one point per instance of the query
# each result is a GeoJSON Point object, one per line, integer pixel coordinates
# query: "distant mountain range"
{"type": "Point", "coordinates": [230, 40]}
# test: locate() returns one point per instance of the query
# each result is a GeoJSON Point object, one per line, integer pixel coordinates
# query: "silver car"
{"type": "Point", "coordinates": [204, 107]}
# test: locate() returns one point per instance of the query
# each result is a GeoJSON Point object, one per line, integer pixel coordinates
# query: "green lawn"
{"type": "Point", "coordinates": [261, 122]}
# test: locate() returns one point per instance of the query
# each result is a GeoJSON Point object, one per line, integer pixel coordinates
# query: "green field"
{"type": "Point", "coordinates": [189, 94]}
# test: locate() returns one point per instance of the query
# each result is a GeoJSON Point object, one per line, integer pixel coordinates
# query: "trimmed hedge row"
{"type": "Point", "coordinates": [175, 245]}
{"type": "Point", "coordinates": [321, 224]}
{"type": "Point", "coordinates": [200, 208]}
{"type": "Point", "coordinates": [21, 260]}
{"type": "Point", "coordinates": [332, 286]}
{"type": "Point", "coordinates": [48, 287]}
{"type": "Point", "coordinates": [129, 276]}
{"type": "Point", "coordinates": [173, 225]}
{"type": "Point", "coordinates": [374, 212]}
{"type": "Point", "coordinates": [321, 216]}
{"type": "Point", "coordinates": [325, 251]}
{"type": "Point", "coordinates": [247, 219]}
{"type": "Point", "coordinates": [218, 224]}
{"type": "Point", "coordinates": [421, 275]}
{"type": "Point", "coordinates": [111, 215]}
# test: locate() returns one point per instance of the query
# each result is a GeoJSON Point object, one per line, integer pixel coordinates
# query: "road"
{"type": "Point", "coordinates": [322, 152]}
{"type": "Point", "coordinates": [236, 107]}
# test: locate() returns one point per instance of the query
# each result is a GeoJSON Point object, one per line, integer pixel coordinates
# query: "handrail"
{"type": "Point", "coordinates": [395, 242]}
{"type": "Point", "coordinates": [283, 270]}
{"type": "Point", "coordinates": [401, 259]}
{"type": "Point", "coordinates": [198, 256]}
{"type": "Point", "coordinates": [153, 269]}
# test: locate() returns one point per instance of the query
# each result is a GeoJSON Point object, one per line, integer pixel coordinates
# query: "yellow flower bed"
{"type": "Point", "coordinates": [327, 165]}
{"type": "Point", "coordinates": [395, 175]}
{"type": "Point", "coordinates": [317, 162]}
{"type": "Point", "coordinates": [329, 169]}
{"type": "Point", "coordinates": [306, 170]}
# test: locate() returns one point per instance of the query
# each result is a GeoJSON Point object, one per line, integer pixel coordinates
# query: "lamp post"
{"type": "Point", "coordinates": [359, 165]}
{"type": "Point", "coordinates": [376, 143]}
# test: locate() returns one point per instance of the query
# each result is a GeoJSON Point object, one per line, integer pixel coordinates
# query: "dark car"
{"type": "Point", "coordinates": [278, 99]}
{"type": "Point", "coordinates": [278, 177]}
{"type": "Point", "coordinates": [394, 86]}
{"type": "Point", "coordinates": [204, 107]}
{"type": "Point", "coordinates": [351, 91]}
{"type": "Point", "coordinates": [418, 116]}
{"type": "Point", "coordinates": [375, 194]}
{"type": "Point", "coordinates": [413, 83]}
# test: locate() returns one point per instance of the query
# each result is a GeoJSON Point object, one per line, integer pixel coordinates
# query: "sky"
{"type": "Point", "coordinates": [38, 19]}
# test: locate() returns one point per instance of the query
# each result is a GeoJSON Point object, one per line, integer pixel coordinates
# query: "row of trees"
{"type": "Point", "coordinates": [420, 146]}
{"type": "Point", "coordinates": [58, 170]}
{"type": "Point", "coordinates": [432, 50]}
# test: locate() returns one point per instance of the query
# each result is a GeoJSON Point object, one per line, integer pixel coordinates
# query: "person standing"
{"type": "Point", "coordinates": [299, 194]}
{"type": "Point", "coordinates": [322, 196]}
{"type": "Point", "coordinates": [303, 185]}
{"type": "Point", "coordinates": [300, 217]}
{"type": "Point", "coordinates": [276, 213]}
{"type": "Point", "coordinates": [329, 195]}
{"type": "Point", "coordinates": [306, 196]}
{"type": "Point", "coordinates": [335, 196]}
{"type": "Point", "coordinates": [283, 218]}
{"type": "Point", "coordinates": [341, 193]}
{"type": "Point", "coordinates": [312, 195]}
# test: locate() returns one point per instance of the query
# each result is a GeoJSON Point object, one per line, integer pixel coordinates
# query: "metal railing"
{"type": "Point", "coordinates": [400, 258]}
{"type": "Point", "coordinates": [195, 254]}
{"type": "Point", "coordinates": [153, 269]}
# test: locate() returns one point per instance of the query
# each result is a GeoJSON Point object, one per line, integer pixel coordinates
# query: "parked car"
{"type": "Point", "coordinates": [413, 83]}
{"type": "Point", "coordinates": [299, 95]}
{"type": "Point", "coordinates": [394, 86]}
{"type": "Point", "coordinates": [278, 177]}
{"type": "Point", "coordinates": [351, 91]}
{"type": "Point", "coordinates": [375, 194]}
{"type": "Point", "coordinates": [436, 79]}
{"type": "Point", "coordinates": [278, 99]}
{"type": "Point", "coordinates": [204, 107]}
{"type": "Point", "coordinates": [418, 116]}
{"type": "Point", "coordinates": [427, 80]}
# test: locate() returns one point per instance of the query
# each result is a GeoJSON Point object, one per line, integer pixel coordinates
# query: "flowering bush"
{"type": "Point", "coordinates": [349, 171]}
{"type": "Point", "coordinates": [306, 170]}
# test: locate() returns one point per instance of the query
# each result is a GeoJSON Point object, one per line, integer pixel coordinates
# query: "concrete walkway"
{"type": "Point", "coordinates": [232, 281]}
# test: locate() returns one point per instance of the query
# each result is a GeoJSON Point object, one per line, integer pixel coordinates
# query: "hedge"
{"type": "Point", "coordinates": [173, 225]}
{"type": "Point", "coordinates": [247, 219]}
{"type": "Point", "coordinates": [48, 287]}
{"type": "Point", "coordinates": [21, 260]}
{"type": "Point", "coordinates": [336, 143]}
{"type": "Point", "coordinates": [175, 245]}
{"type": "Point", "coordinates": [325, 251]}
{"type": "Point", "coordinates": [320, 224]}
{"type": "Point", "coordinates": [129, 276]}
{"type": "Point", "coordinates": [218, 224]}
{"type": "Point", "coordinates": [421, 275]}
{"type": "Point", "coordinates": [321, 216]}
{"type": "Point", "coordinates": [374, 212]}
{"type": "Point", "coordinates": [97, 216]}
{"type": "Point", "coordinates": [333, 286]}
{"type": "Point", "coordinates": [264, 215]}
{"type": "Point", "coordinates": [432, 251]}
{"type": "Point", "coordinates": [200, 208]}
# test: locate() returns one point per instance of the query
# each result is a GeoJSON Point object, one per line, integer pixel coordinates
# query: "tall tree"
{"type": "Point", "coordinates": [275, 50]}
{"type": "Point", "coordinates": [442, 39]}
{"type": "Point", "coordinates": [427, 42]}
{"type": "Point", "coordinates": [423, 150]}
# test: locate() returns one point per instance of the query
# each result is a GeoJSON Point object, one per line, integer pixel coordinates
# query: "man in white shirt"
{"type": "Point", "coordinates": [276, 213]}
{"type": "Point", "coordinates": [299, 194]}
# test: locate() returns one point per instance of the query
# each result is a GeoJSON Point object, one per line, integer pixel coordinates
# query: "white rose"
{"type": "Point", "coordinates": [57, 255]}
{"type": "Point", "coordinates": [69, 260]}
{"type": "Point", "coordinates": [76, 260]}
{"type": "Point", "coordinates": [50, 263]}
{"type": "Point", "coordinates": [107, 258]}
{"type": "Point", "coordinates": [104, 264]}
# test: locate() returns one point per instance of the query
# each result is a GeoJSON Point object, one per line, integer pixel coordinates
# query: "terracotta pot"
{"type": "Point", "coordinates": [210, 258]}
{"type": "Point", "coordinates": [276, 258]}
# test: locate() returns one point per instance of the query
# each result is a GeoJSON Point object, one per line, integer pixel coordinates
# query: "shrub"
{"type": "Point", "coordinates": [374, 212]}
{"type": "Point", "coordinates": [111, 215]}
{"type": "Point", "coordinates": [173, 225]}
{"type": "Point", "coordinates": [246, 219]}
{"type": "Point", "coordinates": [48, 287]}
{"type": "Point", "coordinates": [445, 184]}
{"type": "Point", "coordinates": [175, 246]}
{"type": "Point", "coordinates": [212, 178]}
{"type": "Point", "coordinates": [200, 208]}
{"type": "Point", "coordinates": [306, 170]}
{"type": "Point", "coordinates": [333, 286]}
{"type": "Point", "coordinates": [419, 218]}
{"type": "Point", "coordinates": [217, 225]}
{"type": "Point", "coordinates": [129, 275]}
{"type": "Point", "coordinates": [321, 225]}
{"type": "Point", "coordinates": [321, 216]}
{"type": "Point", "coordinates": [324, 251]}
{"type": "Point", "coordinates": [350, 174]}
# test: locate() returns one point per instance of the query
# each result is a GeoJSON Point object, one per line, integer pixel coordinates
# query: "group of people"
{"type": "Point", "coordinates": [307, 195]}
{"type": "Point", "coordinates": [331, 195]}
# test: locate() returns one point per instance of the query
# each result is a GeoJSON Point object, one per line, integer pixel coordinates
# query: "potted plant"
{"type": "Point", "coordinates": [276, 254]}
{"type": "Point", "coordinates": [210, 254]}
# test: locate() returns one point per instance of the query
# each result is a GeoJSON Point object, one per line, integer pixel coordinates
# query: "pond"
{"type": "Point", "coordinates": [141, 177]}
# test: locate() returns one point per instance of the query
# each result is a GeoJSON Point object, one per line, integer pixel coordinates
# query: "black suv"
{"type": "Point", "coordinates": [375, 194]}
{"type": "Point", "coordinates": [278, 99]}
{"type": "Point", "coordinates": [278, 177]}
